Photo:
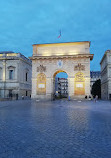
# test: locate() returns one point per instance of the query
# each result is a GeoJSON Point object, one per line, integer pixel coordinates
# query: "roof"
{"type": "Point", "coordinates": [104, 55]}
{"type": "Point", "coordinates": [63, 56]}
{"type": "Point", "coordinates": [79, 42]}
{"type": "Point", "coordinates": [95, 73]}
{"type": "Point", "coordinates": [62, 78]}
{"type": "Point", "coordinates": [6, 52]}
{"type": "Point", "coordinates": [11, 55]}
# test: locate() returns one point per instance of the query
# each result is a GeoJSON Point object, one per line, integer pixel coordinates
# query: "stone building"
{"type": "Point", "coordinates": [61, 87]}
{"type": "Point", "coordinates": [72, 58]}
{"type": "Point", "coordinates": [15, 75]}
{"type": "Point", "coordinates": [106, 75]}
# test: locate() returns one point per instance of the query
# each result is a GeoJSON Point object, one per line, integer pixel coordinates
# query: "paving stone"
{"type": "Point", "coordinates": [57, 129]}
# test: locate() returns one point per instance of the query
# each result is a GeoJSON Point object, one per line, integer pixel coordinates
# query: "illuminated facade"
{"type": "Point", "coordinates": [15, 75]}
{"type": "Point", "coordinates": [49, 59]}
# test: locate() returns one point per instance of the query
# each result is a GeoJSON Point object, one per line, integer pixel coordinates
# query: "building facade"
{"type": "Point", "coordinates": [61, 87]}
{"type": "Point", "coordinates": [50, 59]}
{"type": "Point", "coordinates": [15, 75]}
{"type": "Point", "coordinates": [106, 75]}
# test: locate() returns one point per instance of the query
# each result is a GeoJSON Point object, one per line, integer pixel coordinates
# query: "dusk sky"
{"type": "Point", "coordinates": [27, 22]}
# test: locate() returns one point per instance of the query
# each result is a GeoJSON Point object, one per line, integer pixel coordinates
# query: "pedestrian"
{"type": "Point", "coordinates": [86, 97]}
{"type": "Point", "coordinates": [96, 98]}
{"type": "Point", "coordinates": [68, 98]}
{"type": "Point", "coordinates": [22, 97]}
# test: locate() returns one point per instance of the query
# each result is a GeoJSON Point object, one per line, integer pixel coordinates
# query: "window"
{"type": "Point", "coordinates": [26, 93]}
{"type": "Point", "coordinates": [11, 70]}
{"type": "Point", "coordinates": [26, 76]}
{"type": "Point", "coordinates": [11, 74]}
{"type": "Point", "coordinates": [10, 93]}
{"type": "Point", "coordinates": [0, 73]}
{"type": "Point", "coordinates": [110, 96]}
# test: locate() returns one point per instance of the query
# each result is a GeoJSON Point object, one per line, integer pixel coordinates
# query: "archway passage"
{"type": "Point", "coordinates": [60, 84]}
{"type": "Point", "coordinates": [53, 58]}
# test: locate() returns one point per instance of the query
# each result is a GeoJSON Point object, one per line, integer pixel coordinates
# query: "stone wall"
{"type": "Point", "coordinates": [106, 75]}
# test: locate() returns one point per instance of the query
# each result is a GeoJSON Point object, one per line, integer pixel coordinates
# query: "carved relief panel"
{"type": "Point", "coordinates": [41, 68]}
{"type": "Point", "coordinates": [41, 84]}
{"type": "Point", "coordinates": [79, 67]}
{"type": "Point", "coordinates": [79, 84]}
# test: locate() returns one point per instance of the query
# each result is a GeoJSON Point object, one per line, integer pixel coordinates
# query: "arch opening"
{"type": "Point", "coordinates": [60, 84]}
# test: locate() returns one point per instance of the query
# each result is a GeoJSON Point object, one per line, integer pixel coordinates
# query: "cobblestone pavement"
{"type": "Point", "coordinates": [58, 129]}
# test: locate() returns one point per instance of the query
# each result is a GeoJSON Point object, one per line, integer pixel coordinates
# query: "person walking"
{"type": "Point", "coordinates": [96, 98]}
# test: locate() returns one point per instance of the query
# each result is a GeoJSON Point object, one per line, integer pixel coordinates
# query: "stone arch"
{"type": "Point", "coordinates": [54, 75]}
{"type": "Point", "coordinates": [58, 71]}
{"type": "Point", "coordinates": [79, 84]}
{"type": "Point", "coordinates": [41, 84]}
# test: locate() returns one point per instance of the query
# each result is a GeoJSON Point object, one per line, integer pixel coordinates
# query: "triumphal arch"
{"type": "Point", "coordinates": [72, 58]}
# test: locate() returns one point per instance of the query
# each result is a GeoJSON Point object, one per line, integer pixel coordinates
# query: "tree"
{"type": "Point", "coordinates": [96, 89]}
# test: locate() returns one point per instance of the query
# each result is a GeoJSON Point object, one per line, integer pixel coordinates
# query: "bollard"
{"type": "Point", "coordinates": [68, 98]}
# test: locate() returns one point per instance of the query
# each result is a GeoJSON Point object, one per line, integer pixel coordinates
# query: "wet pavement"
{"type": "Point", "coordinates": [58, 129]}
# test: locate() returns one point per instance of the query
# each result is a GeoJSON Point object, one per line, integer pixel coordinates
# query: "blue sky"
{"type": "Point", "coordinates": [62, 75]}
{"type": "Point", "coordinates": [27, 22]}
